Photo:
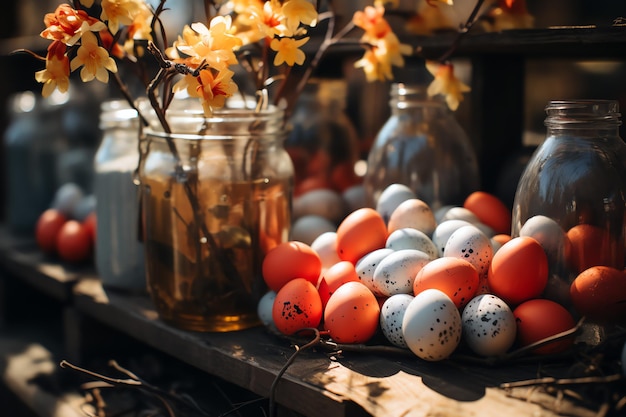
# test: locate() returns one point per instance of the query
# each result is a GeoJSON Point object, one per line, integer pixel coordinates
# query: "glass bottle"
{"type": "Point", "coordinates": [216, 197]}
{"type": "Point", "coordinates": [34, 140]}
{"type": "Point", "coordinates": [422, 146]}
{"type": "Point", "coordinates": [576, 179]}
{"type": "Point", "coordinates": [323, 142]}
{"type": "Point", "coordinates": [119, 254]}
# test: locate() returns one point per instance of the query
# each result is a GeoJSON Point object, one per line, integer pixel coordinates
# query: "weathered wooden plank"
{"type": "Point", "coordinates": [318, 383]}
{"type": "Point", "coordinates": [21, 257]}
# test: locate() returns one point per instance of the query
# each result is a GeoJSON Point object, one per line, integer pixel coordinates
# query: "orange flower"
{"type": "Point", "coordinates": [94, 59]}
{"type": "Point", "coordinates": [68, 25]}
{"type": "Point", "coordinates": [56, 74]}
{"type": "Point", "coordinates": [257, 20]}
{"type": "Point", "coordinates": [288, 51]}
{"type": "Point", "coordinates": [446, 83]}
{"type": "Point", "coordinates": [372, 21]}
{"type": "Point", "coordinates": [213, 90]}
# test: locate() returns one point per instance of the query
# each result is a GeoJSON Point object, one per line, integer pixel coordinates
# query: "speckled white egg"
{"type": "Point", "coordinates": [414, 213]}
{"type": "Point", "coordinates": [264, 308]}
{"type": "Point", "coordinates": [409, 238]}
{"type": "Point", "coordinates": [307, 228]}
{"type": "Point", "coordinates": [391, 315]}
{"type": "Point", "coordinates": [432, 325]}
{"type": "Point", "coordinates": [489, 326]}
{"type": "Point", "coordinates": [444, 230]}
{"type": "Point", "coordinates": [391, 197]}
{"type": "Point", "coordinates": [366, 266]}
{"type": "Point", "coordinates": [471, 244]}
{"type": "Point", "coordinates": [396, 272]}
{"type": "Point", "coordinates": [325, 245]}
{"type": "Point", "coordinates": [321, 202]}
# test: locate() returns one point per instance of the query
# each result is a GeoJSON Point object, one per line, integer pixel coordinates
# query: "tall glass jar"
{"type": "Point", "coordinates": [424, 147]}
{"type": "Point", "coordinates": [216, 198]}
{"type": "Point", "coordinates": [119, 255]}
{"type": "Point", "coordinates": [576, 179]}
{"type": "Point", "coordinates": [323, 142]}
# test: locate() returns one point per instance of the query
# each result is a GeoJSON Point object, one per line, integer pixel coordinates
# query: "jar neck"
{"type": "Point", "coordinates": [584, 118]}
{"type": "Point", "coordinates": [404, 97]}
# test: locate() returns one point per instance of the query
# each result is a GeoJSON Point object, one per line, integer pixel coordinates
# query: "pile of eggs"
{"type": "Point", "coordinates": [428, 281]}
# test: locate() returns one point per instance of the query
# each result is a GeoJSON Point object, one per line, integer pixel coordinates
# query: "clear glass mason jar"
{"type": "Point", "coordinates": [576, 179]}
{"type": "Point", "coordinates": [422, 146]}
{"type": "Point", "coordinates": [322, 141]}
{"type": "Point", "coordinates": [119, 254]}
{"type": "Point", "coordinates": [216, 198]}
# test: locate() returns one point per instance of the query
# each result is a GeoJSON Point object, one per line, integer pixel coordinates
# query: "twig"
{"type": "Point", "coordinates": [462, 32]}
{"type": "Point", "coordinates": [292, 358]}
{"type": "Point", "coordinates": [563, 381]}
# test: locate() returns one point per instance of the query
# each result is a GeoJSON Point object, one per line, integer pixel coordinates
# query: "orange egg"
{"type": "Point", "coordinates": [360, 233]}
{"type": "Point", "coordinates": [490, 210]}
{"type": "Point", "coordinates": [501, 238]}
{"type": "Point", "coordinates": [290, 260]}
{"type": "Point", "coordinates": [538, 319]}
{"type": "Point", "coordinates": [297, 306]}
{"type": "Point", "coordinates": [352, 314]}
{"type": "Point", "coordinates": [518, 270]}
{"type": "Point", "coordinates": [600, 294]}
{"type": "Point", "coordinates": [334, 277]}
{"type": "Point", "coordinates": [591, 246]}
{"type": "Point", "coordinates": [455, 277]}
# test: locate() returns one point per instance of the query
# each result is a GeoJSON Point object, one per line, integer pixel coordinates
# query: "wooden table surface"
{"type": "Point", "coordinates": [319, 382]}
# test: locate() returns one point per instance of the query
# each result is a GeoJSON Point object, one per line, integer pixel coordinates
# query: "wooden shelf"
{"type": "Point", "coordinates": [318, 382]}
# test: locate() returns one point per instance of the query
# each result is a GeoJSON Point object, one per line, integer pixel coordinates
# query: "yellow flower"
{"type": "Point", "coordinates": [56, 74]}
{"type": "Point", "coordinates": [213, 90]}
{"type": "Point", "coordinates": [373, 23]}
{"type": "Point", "coordinates": [288, 50]}
{"type": "Point", "coordinates": [385, 52]}
{"type": "Point", "coordinates": [299, 11]}
{"type": "Point", "coordinates": [446, 83]}
{"type": "Point", "coordinates": [257, 20]}
{"type": "Point", "coordinates": [94, 59]}
{"type": "Point", "coordinates": [120, 12]}
{"type": "Point", "coordinates": [509, 14]}
{"type": "Point", "coordinates": [214, 45]}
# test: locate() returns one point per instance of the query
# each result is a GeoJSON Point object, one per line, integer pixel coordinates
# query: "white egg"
{"type": "Point", "coordinates": [391, 315]}
{"type": "Point", "coordinates": [264, 308]}
{"type": "Point", "coordinates": [321, 202]}
{"type": "Point", "coordinates": [549, 234]}
{"type": "Point", "coordinates": [469, 243]}
{"type": "Point", "coordinates": [409, 238]}
{"type": "Point", "coordinates": [325, 245]}
{"type": "Point", "coordinates": [391, 197]}
{"type": "Point", "coordinates": [444, 230]}
{"type": "Point", "coordinates": [396, 272]}
{"type": "Point", "coordinates": [413, 213]}
{"type": "Point", "coordinates": [460, 213]}
{"type": "Point", "coordinates": [366, 266]}
{"type": "Point", "coordinates": [441, 212]}
{"type": "Point", "coordinates": [432, 325]}
{"type": "Point", "coordinates": [67, 197]}
{"type": "Point", "coordinates": [307, 228]}
{"type": "Point", "coordinates": [489, 327]}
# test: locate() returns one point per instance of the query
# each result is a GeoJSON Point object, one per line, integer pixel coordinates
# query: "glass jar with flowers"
{"type": "Point", "coordinates": [216, 183]}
